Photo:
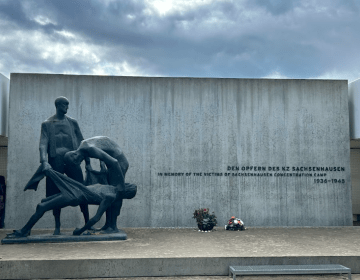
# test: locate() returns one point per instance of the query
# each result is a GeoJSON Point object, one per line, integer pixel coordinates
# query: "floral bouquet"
{"type": "Point", "coordinates": [235, 224]}
{"type": "Point", "coordinates": [204, 219]}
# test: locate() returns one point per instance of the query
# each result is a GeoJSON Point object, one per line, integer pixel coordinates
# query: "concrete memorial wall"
{"type": "Point", "coordinates": [271, 152]}
{"type": "Point", "coordinates": [354, 109]}
{"type": "Point", "coordinates": [4, 105]}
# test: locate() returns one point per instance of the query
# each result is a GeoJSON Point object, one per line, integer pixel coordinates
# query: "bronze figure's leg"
{"type": "Point", "coordinates": [104, 205]}
{"type": "Point", "coordinates": [56, 202]}
{"type": "Point", "coordinates": [51, 189]}
{"type": "Point", "coordinates": [108, 219]}
{"type": "Point", "coordinates": [115, 212]}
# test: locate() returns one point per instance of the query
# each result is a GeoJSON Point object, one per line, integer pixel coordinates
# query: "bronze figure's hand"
{"type": "Point", "coordinates": [46, 166]}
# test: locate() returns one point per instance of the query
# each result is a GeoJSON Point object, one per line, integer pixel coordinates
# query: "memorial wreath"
{"type": "Point", "coordinates": [204, 219]}
{"type": "Point", "coordinates": [235, 224]}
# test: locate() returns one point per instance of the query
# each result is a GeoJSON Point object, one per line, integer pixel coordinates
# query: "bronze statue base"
{"type": "Point", "coordinates": [66, 237]}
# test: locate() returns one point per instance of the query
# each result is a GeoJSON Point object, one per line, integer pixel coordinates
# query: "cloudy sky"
{"type": "Point", "coordinates": [182, 38]}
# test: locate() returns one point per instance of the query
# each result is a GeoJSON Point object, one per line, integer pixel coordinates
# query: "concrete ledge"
{"type": "Point", "coordinates": [101, 268]}
{"type": "Point", "coordinates": [181, 252]}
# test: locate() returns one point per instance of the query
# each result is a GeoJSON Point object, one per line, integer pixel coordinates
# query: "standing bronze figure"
{"type": "Point", "coordinates": [59, 135]}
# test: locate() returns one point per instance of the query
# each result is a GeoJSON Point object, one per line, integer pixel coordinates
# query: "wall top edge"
{"type": "Point", "coordinates": [3, 76]}
{"type": "Point", "coordinates": [355, 81]}
{"type": "Point", "coordinates": [13, 75]}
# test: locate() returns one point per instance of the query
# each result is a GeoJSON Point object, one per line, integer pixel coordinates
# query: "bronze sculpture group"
{"type": "Point", "coordinates": [62, 149]}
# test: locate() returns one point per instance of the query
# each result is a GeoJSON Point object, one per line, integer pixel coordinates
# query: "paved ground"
{"type": "Point", "coordinates": [157, 243]}
{"type": "Point", "coordinates": [162, 243]}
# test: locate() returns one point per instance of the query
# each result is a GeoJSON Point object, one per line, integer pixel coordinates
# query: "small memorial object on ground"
{"type": "Point", "coordinates": [235, 224]}
{"type": "Point", "coordinates": [204, 219]}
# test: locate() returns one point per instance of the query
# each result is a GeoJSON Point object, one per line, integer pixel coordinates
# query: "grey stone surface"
{"type": "Point", "coordinates": [4, 104]}
{"type": "Point", "coordinates": [192, 125]}
{"type": "Point", "coordinates": [354, 109]}
{"type": "Point", "coordinates": [181, 252]}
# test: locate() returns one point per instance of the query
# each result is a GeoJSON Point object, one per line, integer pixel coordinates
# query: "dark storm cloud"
{"type": "Point", "coordinates": [250, 38]}
{"type": "Point", "coordinates": [12, 11]}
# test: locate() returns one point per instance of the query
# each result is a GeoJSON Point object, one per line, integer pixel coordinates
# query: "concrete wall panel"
{"type": "Point", "coordinates": [354, 109]}
{"type": "Point", "coordinates": [198, 128]}
{"type": "Point", "coordinates": [355, 180]}
{"type": "Point", "coordinates": [4, 105]}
